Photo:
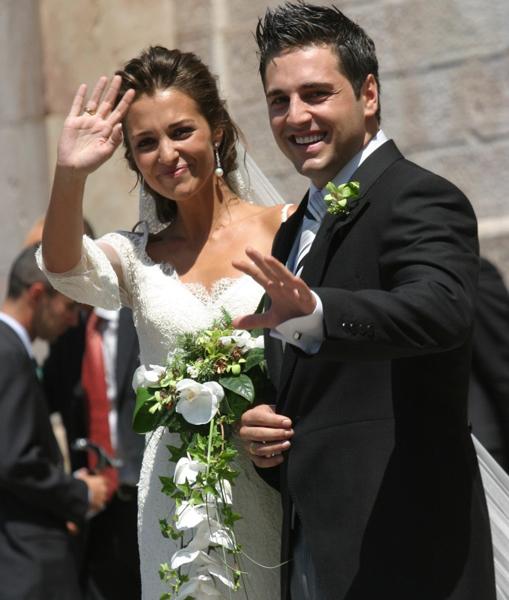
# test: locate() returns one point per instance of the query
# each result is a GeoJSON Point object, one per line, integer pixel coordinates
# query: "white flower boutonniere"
{"type": "Point", "coordinates": [340, 198]}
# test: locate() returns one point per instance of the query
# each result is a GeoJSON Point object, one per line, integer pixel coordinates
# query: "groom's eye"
{"type": "Point", "coordinates": [278, 101]}
{"type": "Point", "coordinates": [317, 95]}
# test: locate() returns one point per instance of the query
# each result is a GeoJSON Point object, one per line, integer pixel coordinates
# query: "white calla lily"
{"type": "Point", "coordinates": [211, 532]}
{"type": "Point", "coordinates": [185, 556]}
{"type": "Point", "coordinates": [198, 402]}
{"type": "Point", "coordinates": [190, 515]}
{"type": "Point", "coordinates": [243, 339]}
{"type": "Point", "coordinates": [187, 470]}
{"type": "Point", "coordinates": [201, 586]}
{"type": "Point", "coordinates": [144, 377]}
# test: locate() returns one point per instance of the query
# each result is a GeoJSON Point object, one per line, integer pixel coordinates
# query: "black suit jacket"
{"type": "Point", "coordinates": [382, 472]}
{"type": "Point", "coordinates": [489, 384]}
{"type": "Point", "coordinates": [36, 496]}
{"type": "Point", "coordinates": [62, 383]}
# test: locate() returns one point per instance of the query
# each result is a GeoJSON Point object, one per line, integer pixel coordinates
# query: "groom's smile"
{"type": "Point", "coordinates": [316, 119]}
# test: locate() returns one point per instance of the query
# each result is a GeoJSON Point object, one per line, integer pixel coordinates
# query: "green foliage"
{"type": "Point", "coordinates": [340, 197]}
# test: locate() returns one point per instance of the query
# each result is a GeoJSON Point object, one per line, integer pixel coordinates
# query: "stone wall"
{"type": "Point", "coordinates": [445, 95]}
{"type": "Point", "coordinates": [23, 171]}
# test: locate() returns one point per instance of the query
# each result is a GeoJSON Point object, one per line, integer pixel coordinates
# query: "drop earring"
{"type": "Point", "coordinates": [218, 170]}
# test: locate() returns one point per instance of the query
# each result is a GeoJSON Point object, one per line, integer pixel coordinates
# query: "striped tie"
{"type": "Point", "coordinates": [313, 216]}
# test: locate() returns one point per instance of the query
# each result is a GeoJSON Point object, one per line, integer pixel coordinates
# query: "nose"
{"type": "Point", "coordinates": [298, 113]}
{"type": "Point", "coordinates": [168, 153]}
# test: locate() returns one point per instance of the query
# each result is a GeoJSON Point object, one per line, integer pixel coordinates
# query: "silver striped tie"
{"type": "Point", "coordinates": [313, 216]}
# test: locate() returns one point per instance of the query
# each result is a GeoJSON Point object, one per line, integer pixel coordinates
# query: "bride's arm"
{"type": "Point", "coordinates": [88, 139]}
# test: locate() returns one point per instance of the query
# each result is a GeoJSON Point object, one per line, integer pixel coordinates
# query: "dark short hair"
{"type": "Point", "coordinates": [25, 272]}
{"type": "Point", "coordinates": [158, 68]}
{"type": "Point", "coordinates": [298, 25]}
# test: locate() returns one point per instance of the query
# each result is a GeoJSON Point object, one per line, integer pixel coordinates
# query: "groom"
{"type": "Point", "coordinates": [369, 347]}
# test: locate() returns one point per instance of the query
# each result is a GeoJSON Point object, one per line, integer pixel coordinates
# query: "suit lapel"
{"type": "Point", "coordinates": [285, 236]}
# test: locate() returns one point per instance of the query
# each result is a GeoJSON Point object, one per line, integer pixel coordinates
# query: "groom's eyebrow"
{"type": "Point", "coordinates": [309, 85]}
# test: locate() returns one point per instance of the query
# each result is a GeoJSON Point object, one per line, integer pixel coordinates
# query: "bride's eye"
{"type": "Point", "coordinates": [181, 133]}
{"type": "Point", "coordinates": [145, 144]}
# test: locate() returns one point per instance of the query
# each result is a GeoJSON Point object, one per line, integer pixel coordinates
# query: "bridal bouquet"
{"type": "Point", "coordinates": [209, 381]}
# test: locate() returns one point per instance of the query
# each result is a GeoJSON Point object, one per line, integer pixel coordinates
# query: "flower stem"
{"type": "Point", "coordinates": [209, 449]}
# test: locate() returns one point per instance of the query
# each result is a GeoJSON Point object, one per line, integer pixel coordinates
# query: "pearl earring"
{"type": "Point", "coordinates": [218, 170]}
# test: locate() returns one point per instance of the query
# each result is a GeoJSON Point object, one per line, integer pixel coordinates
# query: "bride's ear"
{"type": "Point", "coordinates": [217, 137]}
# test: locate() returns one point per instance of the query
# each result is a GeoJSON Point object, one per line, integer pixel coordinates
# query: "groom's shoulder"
{"type": "Point", "coordinates": [406, 172]}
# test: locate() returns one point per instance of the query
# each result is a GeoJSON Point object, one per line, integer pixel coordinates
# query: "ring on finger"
{"type": "Point", "coordinates": [90, 111]}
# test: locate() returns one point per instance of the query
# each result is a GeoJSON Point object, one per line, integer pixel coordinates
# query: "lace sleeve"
{"type": "Point", "coordinates": [93, 280]}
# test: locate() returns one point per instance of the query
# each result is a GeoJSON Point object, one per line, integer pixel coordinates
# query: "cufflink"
{"type": "Point", "coordinates": [297, 335]}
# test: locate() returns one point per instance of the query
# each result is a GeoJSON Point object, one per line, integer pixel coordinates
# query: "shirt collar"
{"type": "Point", "coordinates": [107, 315]}
{"type": "Point", "coordinates": [345, 175]}
{"type": "Point", "coordinates": [20, 331]}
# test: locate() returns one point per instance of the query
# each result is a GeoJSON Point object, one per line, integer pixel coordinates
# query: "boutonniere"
{"type": "Point", "coordinates": [340, 198]}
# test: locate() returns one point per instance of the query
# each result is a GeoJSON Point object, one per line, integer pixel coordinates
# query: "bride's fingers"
{"type": "Point", "coordinates": [77, 103]}
{"type": "Point", "coordinates": [266, 450]}
{"type": "Point", "coordinates": [263, 435]}
{"type": "Point", "coordinates": [265, 462]}
{"type": "Point", "coordinates": [92, 103]}
{"type": "Point", "coordinates": [106, 106]}
{"type": "Point", "coordinates": [120, 111]}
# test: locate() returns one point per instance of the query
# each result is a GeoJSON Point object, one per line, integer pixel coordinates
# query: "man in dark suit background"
{"type": "Point", "coordinates": [489, 384]}
{"type": "Point", "coordinates": [381, 489]}
{"type": "Point", "coordinates": [38, 500]}
{"type": "Point", "coordinates": [108, 553]}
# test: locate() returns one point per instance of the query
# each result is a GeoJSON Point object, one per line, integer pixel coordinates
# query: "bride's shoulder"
{"type": "Point", "coordinates": [279, 214]}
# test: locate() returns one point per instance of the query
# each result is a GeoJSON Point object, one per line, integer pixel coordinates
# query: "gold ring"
{"type": "Point", "coordinates": [90, 111]}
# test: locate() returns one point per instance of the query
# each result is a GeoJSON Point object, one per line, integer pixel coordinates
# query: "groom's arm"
{"type": "Point", "coordinates": [428, 263]}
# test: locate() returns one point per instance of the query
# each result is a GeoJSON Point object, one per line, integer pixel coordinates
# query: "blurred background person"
{"type": "Point", "coordinates": [106, 550]}
{"type": "Point", "coordinates": [39, 502]}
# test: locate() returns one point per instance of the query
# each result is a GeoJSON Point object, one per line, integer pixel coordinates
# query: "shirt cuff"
{"type": "Point", "coordinates": [304, 332]}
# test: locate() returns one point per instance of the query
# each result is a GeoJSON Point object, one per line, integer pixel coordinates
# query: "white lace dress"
{"type": "Point", "coordinates": [164, 307]}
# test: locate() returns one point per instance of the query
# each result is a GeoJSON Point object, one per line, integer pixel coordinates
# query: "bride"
{"type": "Point", "coordinates": [175, 271]}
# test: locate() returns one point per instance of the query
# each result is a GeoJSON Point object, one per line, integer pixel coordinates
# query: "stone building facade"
{"type": "Point", "coordinates": [445, 94]}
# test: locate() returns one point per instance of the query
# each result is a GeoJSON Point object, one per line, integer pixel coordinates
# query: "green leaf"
{"type": "Point", "coordinates": [254, 357]}
{"type": "Point", "coordinates": [241, 385]}
{"type": "Point", "coordinates": [143, 419]}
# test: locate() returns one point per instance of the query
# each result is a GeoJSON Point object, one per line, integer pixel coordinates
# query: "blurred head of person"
{"type": "Point", "coordinates": [44, 312]}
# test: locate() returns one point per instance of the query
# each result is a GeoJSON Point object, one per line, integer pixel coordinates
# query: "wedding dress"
{"type": "Point", "coordinates": [164, 307]}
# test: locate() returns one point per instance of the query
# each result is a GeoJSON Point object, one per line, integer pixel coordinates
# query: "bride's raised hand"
{"type": "Point", "coordinates": [92, 130]}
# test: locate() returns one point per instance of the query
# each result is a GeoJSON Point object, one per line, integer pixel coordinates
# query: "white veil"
{"type": "Point", "coordinates": [496, 487]}
{"type": "Point", "coordinates": [250, 183]}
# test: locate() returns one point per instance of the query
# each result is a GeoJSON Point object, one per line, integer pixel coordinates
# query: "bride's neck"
{"type": "Point", "coordinates": [197, 218]}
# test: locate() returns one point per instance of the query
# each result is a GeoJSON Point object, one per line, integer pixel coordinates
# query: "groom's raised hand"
{"type": "Point", "coordinates": [265, 435]}
{"type": "Point", "coordinates": [290, 296]}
